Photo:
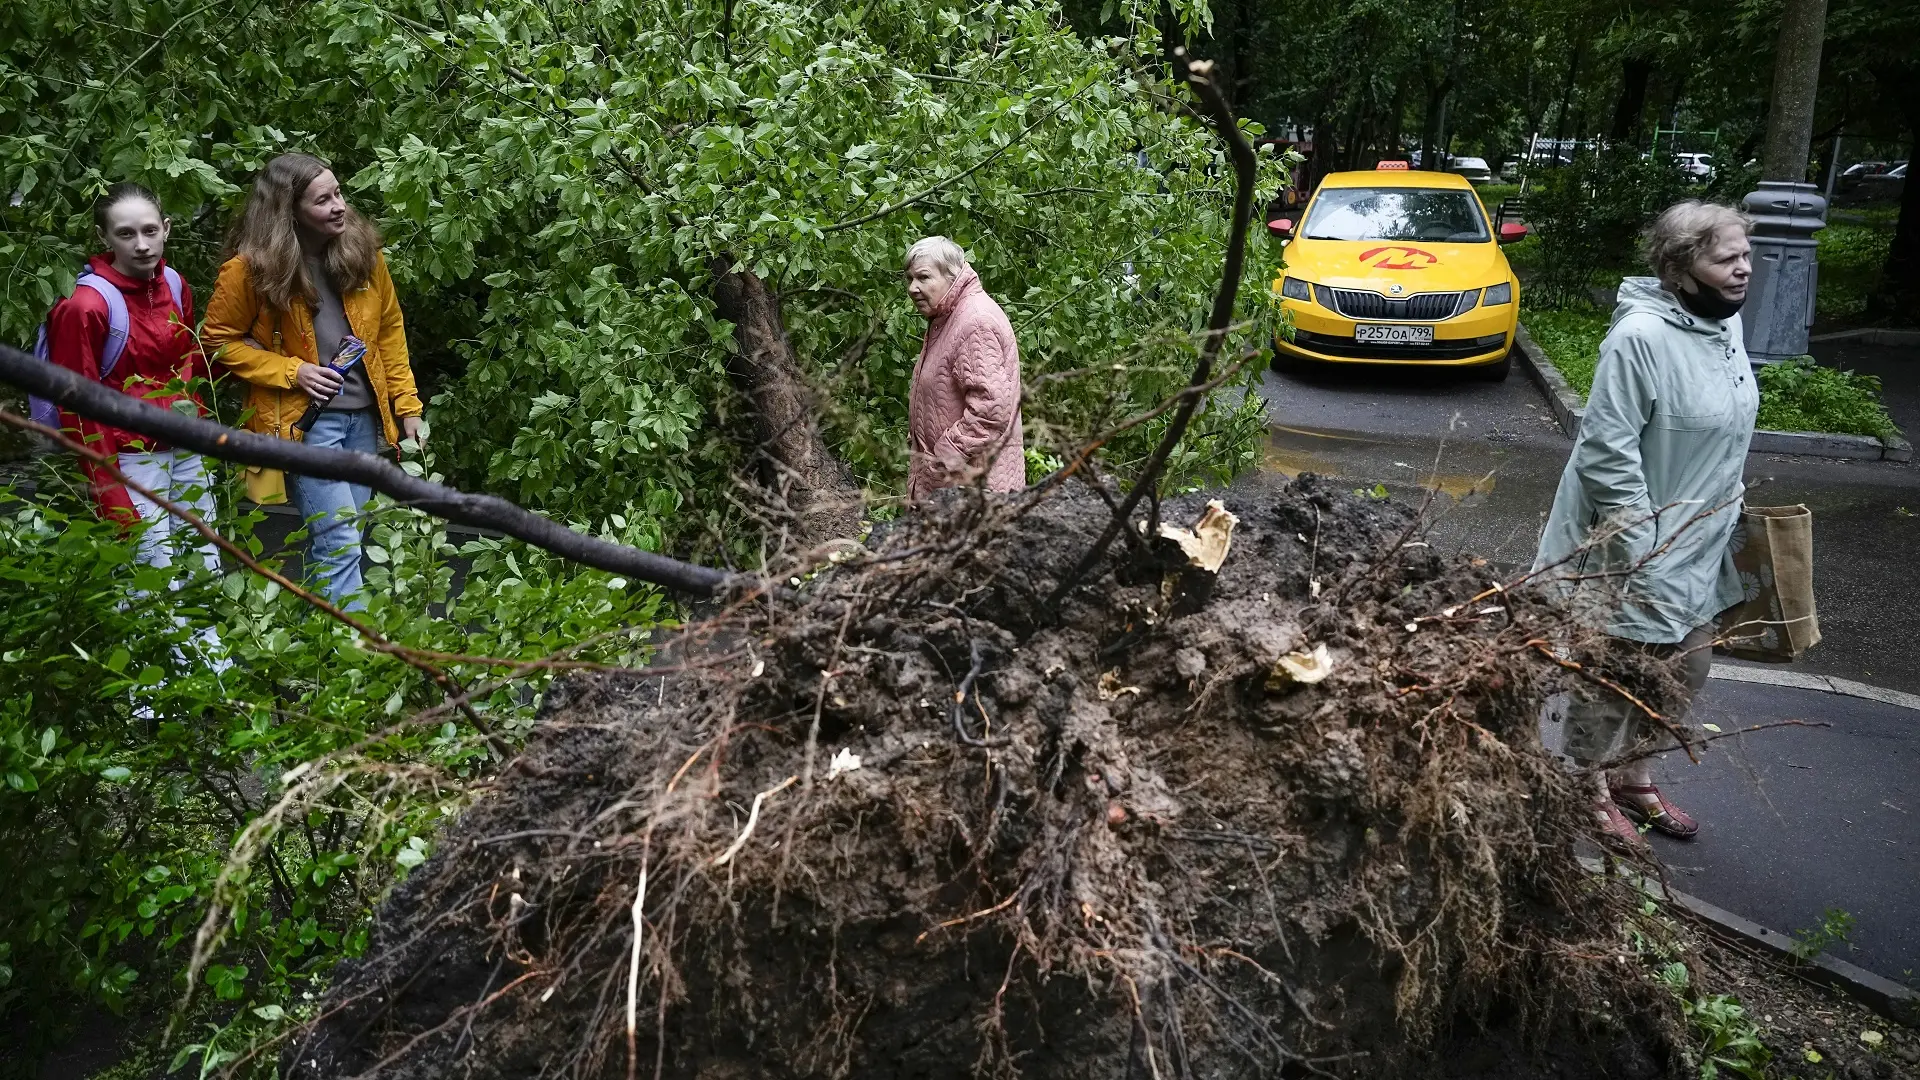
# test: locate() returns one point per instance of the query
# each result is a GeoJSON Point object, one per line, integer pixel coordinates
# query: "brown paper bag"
{"type": "Point", "coordinates": [1773, 551]}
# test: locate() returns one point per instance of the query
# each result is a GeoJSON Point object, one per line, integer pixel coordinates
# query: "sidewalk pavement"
{"type": "Point", "coordinates": [1799, 820]}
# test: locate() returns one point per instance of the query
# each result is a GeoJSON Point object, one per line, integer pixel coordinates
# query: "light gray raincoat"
{"type": "Point", "coordinates": [1640, 525]}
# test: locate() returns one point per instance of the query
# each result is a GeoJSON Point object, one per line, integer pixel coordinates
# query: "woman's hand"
{"type": "Point", "coordinates": [410, 429]}
{"type": "Point", "coordinates": [319, 383]}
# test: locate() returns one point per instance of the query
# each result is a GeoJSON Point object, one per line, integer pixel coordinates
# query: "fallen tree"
{"type": "Point", "coordinates": [992, 797]}
{"type": "Point", "coordinates": [926, 825]}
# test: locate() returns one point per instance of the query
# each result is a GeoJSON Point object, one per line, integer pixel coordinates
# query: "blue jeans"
{"type": "Point", "coordinates": [332, 508]}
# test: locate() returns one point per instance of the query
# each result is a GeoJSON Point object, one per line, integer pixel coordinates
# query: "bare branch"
{"type": "Point", "coordinates": [99, 402]}
{"type": "Point", "coordinates": [1198, 75]}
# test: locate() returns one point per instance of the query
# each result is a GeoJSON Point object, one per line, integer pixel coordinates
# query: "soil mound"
{"type": "Point", "coordinates": [1291, 820]}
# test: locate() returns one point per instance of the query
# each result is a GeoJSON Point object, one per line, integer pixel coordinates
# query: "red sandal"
{"type": "Point", "coordinates": [1665, 817]}
{"type": "Point", "coordinates": [1616, 831]}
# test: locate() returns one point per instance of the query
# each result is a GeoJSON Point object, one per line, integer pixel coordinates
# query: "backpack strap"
{"type": "Point", "coordinates": [119, 326]}
{"type": "Point", "coordinates": [177, 286]}
{"type": "Point", "coordinates": [118, 323]}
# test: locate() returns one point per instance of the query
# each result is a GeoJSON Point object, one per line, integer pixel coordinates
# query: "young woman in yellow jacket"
{"type": "Point", "coordinates": [304, 279]}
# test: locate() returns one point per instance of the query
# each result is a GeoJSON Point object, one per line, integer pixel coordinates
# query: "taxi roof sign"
{"type": "Point", "coordinates": [1392, 166]}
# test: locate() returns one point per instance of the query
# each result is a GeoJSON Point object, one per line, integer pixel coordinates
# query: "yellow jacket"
{"type": "Point", "coordinates": [266, 347]}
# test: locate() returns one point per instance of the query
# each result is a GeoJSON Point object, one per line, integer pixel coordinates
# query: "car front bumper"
{"type": "Point", "coordinates": [1481, 336]}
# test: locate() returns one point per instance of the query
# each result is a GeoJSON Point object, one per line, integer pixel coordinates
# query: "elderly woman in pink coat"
{"type": "Point", "coordinates": [963, 414]}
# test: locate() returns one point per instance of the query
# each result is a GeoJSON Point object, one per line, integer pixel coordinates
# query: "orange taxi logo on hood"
{"type": "Point", "coordinates": [1398, 257]}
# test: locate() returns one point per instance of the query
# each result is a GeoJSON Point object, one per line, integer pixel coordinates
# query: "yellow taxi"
{"type": "Point", "coordinates": [1398, 266]}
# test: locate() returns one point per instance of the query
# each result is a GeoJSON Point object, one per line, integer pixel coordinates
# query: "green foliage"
{"type": "Point", "coordinates": [1836, 925]}
{"type": "Point", "coordinates": [1851, 258]}
{"type": "Point", "coordinates": [1589, 215]}
{"type": "Point", "coordinates": [1795, 395]}
{"type": "Point", "coordinates": [556, 204]}
{"type": "Point", "coordinates": [129, 763]}
{"type": "Point", "coordinates": [1571, 338]}
{"type": "Point", "coordinates": [1800, 395]}
{"type": "Point", "coordinates": [1729, 1039]}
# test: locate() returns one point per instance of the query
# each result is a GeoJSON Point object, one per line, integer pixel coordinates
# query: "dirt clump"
{"type": "Point", "coordinates": [918, 821]}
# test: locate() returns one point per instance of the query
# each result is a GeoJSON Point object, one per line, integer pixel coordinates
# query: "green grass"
{"type": "Point", "coordinates": [1495, 194]}
{"type": "Point", "coordinates": [1799, 395]}
{"type": "Point", "coordinates": [1795, 395]}
{"type": "Point", "coordinates": [1851, 257]}
{"type": "Point", "coordinates": [1571, 339]}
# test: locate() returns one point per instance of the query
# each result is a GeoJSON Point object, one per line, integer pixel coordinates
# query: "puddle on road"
{"type": "Point", "coordinates": [1291, 451]}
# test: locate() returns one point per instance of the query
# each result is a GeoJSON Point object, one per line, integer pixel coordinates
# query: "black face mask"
{"type": "Point", "coordinates": [1708, 303]}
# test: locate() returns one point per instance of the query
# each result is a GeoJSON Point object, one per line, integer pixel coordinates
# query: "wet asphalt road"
{"type": "Point", "coordinates": [1795, 820]}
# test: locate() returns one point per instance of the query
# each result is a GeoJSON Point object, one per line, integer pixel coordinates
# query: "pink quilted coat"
{"type": "Point", "coordinates": [965, 400]}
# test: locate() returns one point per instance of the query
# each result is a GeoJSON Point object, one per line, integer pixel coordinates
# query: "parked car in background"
{"type": "Point", "coordinates": [1397, 266]}
{"type": "Point", "coordinates": [1473, 168]}
{"type": "Point", "coordinates": [1696, 166]}
{"type": "Point", "coordinates": [1888, 184]}
{"type": "Point", "coordinates": [1864, 168]}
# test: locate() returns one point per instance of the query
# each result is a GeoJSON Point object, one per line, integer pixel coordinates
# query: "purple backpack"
{"type": "Point", "coordinates": [119, 325]}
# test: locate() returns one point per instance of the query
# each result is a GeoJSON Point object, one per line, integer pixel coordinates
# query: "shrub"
{"type": "Point", "coordinates": [1800, 395]}
{"type": "Point", "coordinates": [1589, 215]}
{"type": "Point", "coordinates": [128, 765]}
{"type": "Point", "coordinates": [1851, 257]}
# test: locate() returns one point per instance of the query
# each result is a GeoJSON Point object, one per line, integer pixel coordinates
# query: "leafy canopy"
{"type": "Point", "coordinates": [559, 183]}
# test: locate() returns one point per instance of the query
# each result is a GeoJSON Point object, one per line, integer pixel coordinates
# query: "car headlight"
{"type": "Point", "coordinates": [1499, 294]}
{"type": "Point", "coordinates": [1294, 289]}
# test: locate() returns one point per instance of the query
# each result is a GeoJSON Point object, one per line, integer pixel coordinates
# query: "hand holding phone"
{"type": "Point", "coordinates": [320, 383]}
{"type": "Point", "coordinates": [323, 383]}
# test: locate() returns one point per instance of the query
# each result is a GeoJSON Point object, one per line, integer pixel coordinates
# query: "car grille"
{"type": "Point", "coordinates": [1444, 349]}
{"type": "Point", "coordinates": [1420, 307]}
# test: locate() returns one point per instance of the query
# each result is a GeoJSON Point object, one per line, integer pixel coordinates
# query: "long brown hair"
{"type": "Point", "coordinates": [266, 236]}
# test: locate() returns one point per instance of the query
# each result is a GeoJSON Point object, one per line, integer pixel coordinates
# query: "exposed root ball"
{"type": "Point", "coordinates": [1102, 841]}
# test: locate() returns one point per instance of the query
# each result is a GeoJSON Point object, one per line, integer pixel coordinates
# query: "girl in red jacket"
{"type": "Point", "coordinates": [158, 363]}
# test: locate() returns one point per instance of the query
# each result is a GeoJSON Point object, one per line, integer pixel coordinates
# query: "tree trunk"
{"type": "Point", "coordinates": [1898, 296]}
{"type": "Point", "coordinates": [1325, 146]}
{"type": "Point", "coordinates": [1635, 73]}
{"type": "Point", "coordinates": [1566, 94]}
{"type": "Point", "coordinates": [1398, 116]}
{"type": "Point", "coordinates": [1796, 82]}
{"type": "Point", "coordinates": [817, 489]}
{"type": "Point", "coordinates": [1435, 116]}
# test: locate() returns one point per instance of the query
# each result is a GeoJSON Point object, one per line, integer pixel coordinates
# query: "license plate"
{"type": "Point", "coordinates": [1375, 334]}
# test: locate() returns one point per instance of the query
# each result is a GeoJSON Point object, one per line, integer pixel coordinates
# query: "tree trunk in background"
{"type": "Point", "coordinates": [816, 486]}
{"type": "Point", "coordinates": [1324, 149]}
{"type": "Point", "coordinates": [1566, 92]}
{"type": "Point", "coordinates": [1898, 297]}
{"type": "Point", "coordinates": [1635, 73]}
{"type": "Point", "coordinates": [1673, 102]}
{"type": "Point", "coordinates": [1796, 80]}
{"type": "Point", "coordinates": [1435, 116]}
{"type": "Point", "coordinates": [1395, 130]}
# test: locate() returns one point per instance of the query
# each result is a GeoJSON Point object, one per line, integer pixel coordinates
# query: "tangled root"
{"type": "Point", "coordinates": [916, 823]}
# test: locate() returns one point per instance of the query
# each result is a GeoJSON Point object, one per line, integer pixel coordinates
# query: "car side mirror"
{"type": "Point", "coordinates": [1513, 232]}
{"type": "Point", "coordinates": [1281, 227]}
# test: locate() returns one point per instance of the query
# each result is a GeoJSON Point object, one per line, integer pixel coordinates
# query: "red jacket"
{"type": "Point", "coordinates": [160, 349]}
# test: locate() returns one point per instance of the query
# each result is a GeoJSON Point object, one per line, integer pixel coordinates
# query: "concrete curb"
{"type": "Point", "coordinates": [1826, 684]}
{"type": "Point", "coordinates": [1568, 409]}
{"type": "Point", "coordinates": [1819, 444]}
{"type": "Point", "coordinates": [1871, 335]}
{"type": "Point", "coordinates": [1884, 996]}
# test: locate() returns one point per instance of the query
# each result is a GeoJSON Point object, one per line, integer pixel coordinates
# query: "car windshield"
{"type": "Point", "coordinates": [1396, 214]}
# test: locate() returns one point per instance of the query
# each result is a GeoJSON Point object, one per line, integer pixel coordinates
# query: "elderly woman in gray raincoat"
{"type": "Point", "coordinates": [1641, 526]}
